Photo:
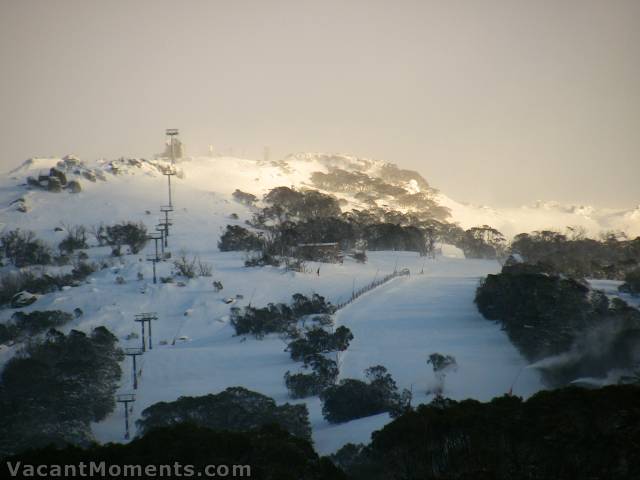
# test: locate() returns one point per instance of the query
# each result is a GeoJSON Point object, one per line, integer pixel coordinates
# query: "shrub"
{"type": "Point", "coordinates": [76, 239]}
{"type": "Point", "coordinates": [185, 267]}
{"type": "Point", "coordinates": [126, 233]}
{"type": "Point", "coordinates": [260, 321]}
{"type": "Point", "coordinates": [277, 318]}
{"type": "Point", "coordinates": [23, 249]}
{"type": "Point", "coordinates": [15, 282]}
{"type": "Point", "coordinates": [204, 269]}
{"type": "Point", "coordinates": [263, 259]}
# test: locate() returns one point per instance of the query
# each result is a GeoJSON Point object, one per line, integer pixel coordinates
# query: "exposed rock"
{"type": "Point", "coordinates": [23, 299]}
{"type": "Point", "coordinates": [59, 174]}
{"type": "Point", "coordinates": [89, 175]}
{"type": "Point", "coordinates": [78, 312]}
{"type": "Point", "coordinates": [74, 186]}
{"type": "Point", "coordinates": [54, 185]}
{"type": "Point", "coordinates": [32, 181]}
{"type": "Point", "coordinates": [71, 161]}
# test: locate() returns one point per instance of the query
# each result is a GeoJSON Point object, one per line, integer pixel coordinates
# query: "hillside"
{"type": "Point", "coordinates": [195, 350]}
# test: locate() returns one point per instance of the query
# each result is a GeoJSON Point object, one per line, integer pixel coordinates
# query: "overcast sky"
{"type": "Point", "coordinates": [495, 102]}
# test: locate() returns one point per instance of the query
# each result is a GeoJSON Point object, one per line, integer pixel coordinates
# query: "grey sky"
{"type": "Point", "coordinates": [498, 102]}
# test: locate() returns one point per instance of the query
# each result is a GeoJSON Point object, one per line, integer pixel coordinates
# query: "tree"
{"type": "Point", "coordinates": [238, 238]}
{"type": "Point", "coordinates": [244, 197]}
{"type": "Point", "coordinates": [351, 398]}
{"type": "Point", "coordinates": [441, 364]}
{"type": "Point", "coordinates": [56, 388]}
{"type": "Point", "coordinates": [234, 409]}
{"type": "Point", "coordinates": [22, 248]}
{"type": "Point", "coordinates": [127, 233]}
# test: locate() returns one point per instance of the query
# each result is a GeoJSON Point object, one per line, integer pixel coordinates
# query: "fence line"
{"type": "Point", "coordinates": [376, 283]}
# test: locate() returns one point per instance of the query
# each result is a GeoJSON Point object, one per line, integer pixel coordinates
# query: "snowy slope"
{"type": "Point", "coordinates": [397, 325]}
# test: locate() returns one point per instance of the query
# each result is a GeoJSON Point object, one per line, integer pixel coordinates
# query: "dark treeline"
{"type": "Point", "coordinates": [562, 434]}
{"type": "Point", "coordinates": [291, 218]}
{"type": "Point", "coordinates": [545, 314]}
{"type": "Point", "coordinates": [611, 257]}
{"type": "Point", "coordinates": [271, 453]}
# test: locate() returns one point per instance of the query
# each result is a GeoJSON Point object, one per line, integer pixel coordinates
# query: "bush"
{"type": "Point", "coordinates": [261, 321]}
{"type": "Point", "coordinates": [351, 398]}
{"type": "Point", "coordinates": [235, 409]}
{"type": "Point", "coordinates": [263, 259]}
{"type": "Point", "coordinates": [76, 239]}
{"type": "Point", "coordinates": [12, 283]}
{"type": "Point", "coordinates": [238, 238]}
{"type": "Point", "coordinates": [185, 267]}
{"type": "Point", "coordinates": [276, 318]}
{"type": "Point", "coordinates": [126, 233]}
{"type": "Point", "coordinates": [23, 249]}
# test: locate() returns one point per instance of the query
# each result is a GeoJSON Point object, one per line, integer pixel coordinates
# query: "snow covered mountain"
{"type": "Point", "coordinates": [397, 325]}
{"type": "Point", "coordinates": [222, 175]}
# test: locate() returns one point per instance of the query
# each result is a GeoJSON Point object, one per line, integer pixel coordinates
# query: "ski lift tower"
{"type": "Point", "coordinates": [126, 399]}
{"type": "Point", "coordinates": [133, 353]}
{"type": "Point", "coordinates": [143, 318]}
{"type": "Point", "coordinates": [172, 133]}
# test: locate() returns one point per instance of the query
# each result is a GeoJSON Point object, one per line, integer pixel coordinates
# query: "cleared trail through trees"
{"type": "Point", "coordinates": [405, 321]}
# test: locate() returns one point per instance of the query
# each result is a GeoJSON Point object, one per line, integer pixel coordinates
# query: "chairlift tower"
{"type": "Point", "coordinates": [153, 259]}
{"type": "Point", "coordinates": [126, 399]}
{"type": "Point", "coordinates": [166, 209]}
{"type": "Point", "coordinates": [169, 172]}
{"type": "Point", "coordinates": [157, 238]}
{"type": "Point", "coordinates": [133, 353]}
{"type": "Point", "coordinates": [172, 133]}
{"type": "Point", "coordinates": [143, 318]}
{"type": "Point", "coordinates": [161, 229]}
